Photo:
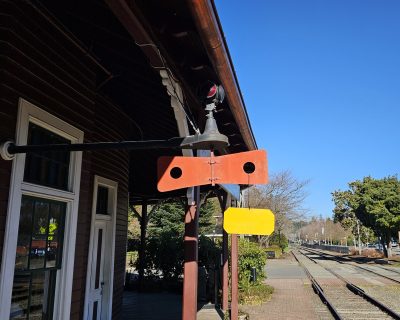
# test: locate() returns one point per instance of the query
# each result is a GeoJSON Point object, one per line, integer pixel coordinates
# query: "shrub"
{"type": "Point", "coordinates": [279, 240]}
{"type": "Point", "coordinates": [164, 253]}
{"type": "Point", "coordinates": [250, 256]}
{"type": "Point", "coordinates": [367, 252]}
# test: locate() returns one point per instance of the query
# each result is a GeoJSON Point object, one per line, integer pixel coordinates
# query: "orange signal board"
{"type": "Point", "coordinates": [238, 168]}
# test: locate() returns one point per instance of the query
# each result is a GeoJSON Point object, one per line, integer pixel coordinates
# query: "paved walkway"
{"type": "Point", "coordinates": [160, 306]}
{"type": "Point", "coordinates": [293, 297]}
{"type": "Point", "coordinates": [208, 312]}
{"type": "Point", "coordinates": [151, 306]}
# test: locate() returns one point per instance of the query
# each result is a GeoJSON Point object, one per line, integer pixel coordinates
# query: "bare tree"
{"type": "Point", "coordinates": [284, 195]}
{"type": "Point", "coordinates": [324, 230]}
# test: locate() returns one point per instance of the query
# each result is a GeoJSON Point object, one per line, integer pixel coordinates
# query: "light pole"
{"type": "Point", "coordinates": [359, 242]}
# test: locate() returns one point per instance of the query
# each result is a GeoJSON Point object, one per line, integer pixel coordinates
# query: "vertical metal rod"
{"type": "Point", "coordinates": [142, 249]}
{"type": "Point", "coordinates": [223, 200]}
{"type": "Point", "coordinates": [190, 271]}
{"type": "Point", "coordinates": [234, 281]}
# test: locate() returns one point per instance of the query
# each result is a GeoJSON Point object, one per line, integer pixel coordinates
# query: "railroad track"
{"type": "Point", "coordinates": [349, 259]}
{"type": "Point", "coordinates": [354, 264]}
{"type": "Point", "coordinates": [392, 270]}
{"type": "Point", "coordinates": [344, 299]}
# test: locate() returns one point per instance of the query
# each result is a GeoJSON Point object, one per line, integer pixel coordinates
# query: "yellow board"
{"type": "Point", "coordinates": [249, 221]}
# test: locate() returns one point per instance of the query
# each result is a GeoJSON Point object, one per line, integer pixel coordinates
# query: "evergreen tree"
{"type": "Point", "coordinates": [164, 248]}
{"type": "Point", "coordinates": [375, 202]}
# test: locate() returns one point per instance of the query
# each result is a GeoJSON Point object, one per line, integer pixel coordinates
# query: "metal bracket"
{"type": "Point", "coordinates": [4, 153]}
{"type": "Point", "coordinates": [212, 162]}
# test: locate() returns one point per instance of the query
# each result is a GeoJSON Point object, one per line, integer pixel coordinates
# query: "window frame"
{"type": "Point", "coordinates": [27, 113]}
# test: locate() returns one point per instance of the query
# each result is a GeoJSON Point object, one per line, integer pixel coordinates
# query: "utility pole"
{"type": "Point", "coordinates": [359, 242]}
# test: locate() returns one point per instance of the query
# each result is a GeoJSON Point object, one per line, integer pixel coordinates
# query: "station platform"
{"type": "Point", "coordinates": [161, 306]}
{"type": "Point", "coordinates": [293, 296]}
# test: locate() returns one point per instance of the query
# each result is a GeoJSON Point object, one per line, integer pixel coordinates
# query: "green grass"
{"type": "Point", "coordinates": [255, 295]}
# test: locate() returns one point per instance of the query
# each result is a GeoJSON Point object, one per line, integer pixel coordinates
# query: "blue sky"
{"type": "Point", "coordinates": [321, 82]}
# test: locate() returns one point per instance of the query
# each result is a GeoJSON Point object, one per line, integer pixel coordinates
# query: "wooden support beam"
{"type": "Point", "coordinates": [225, 272]}
{"type": "Point", "coordinates": [136, 213]}
{"type": "Point", "coordinates": [128, 14]}
{"type": "Point", "coordinates": [190, 271]}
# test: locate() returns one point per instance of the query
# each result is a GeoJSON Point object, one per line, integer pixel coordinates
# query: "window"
{"type": "Point", "coordinates": [47, 168]}
{"type": "Point", "coordinates": [41, 230]}
{"type": "Point", "coordinates": [36, 277]}
{"type": "Point", "coordinates": [102, 200]}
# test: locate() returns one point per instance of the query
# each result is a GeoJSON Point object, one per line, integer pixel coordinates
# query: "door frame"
{"type": "Point", "coordinates": [108, 292]}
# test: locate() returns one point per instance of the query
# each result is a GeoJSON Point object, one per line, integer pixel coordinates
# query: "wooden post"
{"type": "Point", "coordinates": [142, 249]}
{"type": "Point", "coordinates": [190, 271]}
{"type": "Point", "coordinates": [234, 281]}
{"type": "Point", "coordinates": [225, 270]}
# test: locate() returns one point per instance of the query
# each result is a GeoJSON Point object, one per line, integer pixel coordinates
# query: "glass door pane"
{"type": "Point", "coordinates": [97, 271]}
{"type": "Point", "coordinates": [38, 258]}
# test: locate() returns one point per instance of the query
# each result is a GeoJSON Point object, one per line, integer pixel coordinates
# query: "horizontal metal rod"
{"type": "Point", "coordinates": [91, 146]}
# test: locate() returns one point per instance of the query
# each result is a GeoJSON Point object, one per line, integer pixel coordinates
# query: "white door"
{"type": "Point", "coordinates": [98, 299]}
{"type": "Point", "coordinates": [100, 271]}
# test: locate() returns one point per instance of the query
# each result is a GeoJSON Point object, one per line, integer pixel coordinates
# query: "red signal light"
{"type": "Point", "coordinates": [212, 92]}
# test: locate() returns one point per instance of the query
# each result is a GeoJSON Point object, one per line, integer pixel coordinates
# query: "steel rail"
{"type": "Point", "coordinates": [357, 290]}
{"type": "Point", "coordinates": [354, 265]}
{"type": "Point", "coordinates": [394, 271]}
{"type": "Point", "coordinates": [318, 289]}
{"type": "Point", "coordinates": [349, 259]}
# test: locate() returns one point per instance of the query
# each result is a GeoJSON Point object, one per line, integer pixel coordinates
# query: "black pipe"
{"type": "Point", "coordinates": [127, 145]}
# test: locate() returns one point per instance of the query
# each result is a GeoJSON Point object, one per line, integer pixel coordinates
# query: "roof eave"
{"type": "Point", "coordinates": [210, 30]}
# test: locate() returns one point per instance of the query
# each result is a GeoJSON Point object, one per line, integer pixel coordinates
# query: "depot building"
{"type": "Point", "coordinates": [85, 72]}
